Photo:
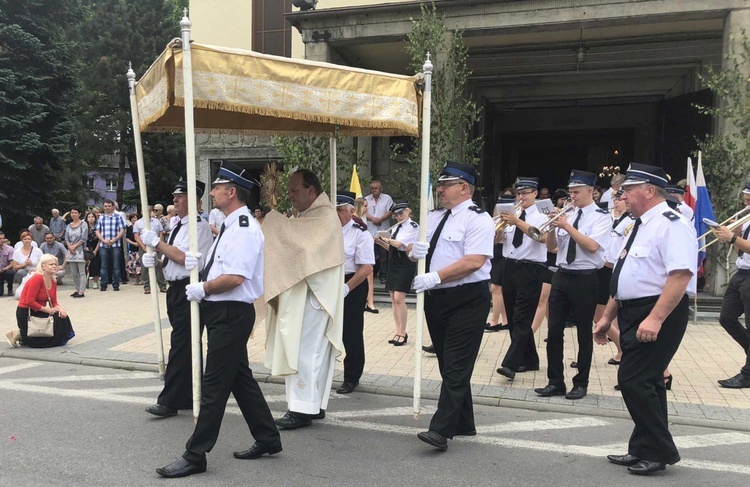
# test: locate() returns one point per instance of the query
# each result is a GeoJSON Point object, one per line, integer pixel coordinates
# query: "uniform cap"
{"type": "Point", "coordinates": [746, 189]}
{"type": "Point", "coordinates": [455, 170]}
{"type": "Point", "coordinates": [523, 182]}
{"type": "Point", "coordinates": [580, 178]}
{"type": "Point", "coordinates": [344, 198]}
{"type": "Point", "coordinates": [643, 173]}
{"type": "Point", "coordinates": [231, 173]}
{"type": "Point", "coordinates": [674, 189]}
{"type": "Point", "coordinates": [182, 186]}
{"type": "Point", "coordinates": [397, 208]}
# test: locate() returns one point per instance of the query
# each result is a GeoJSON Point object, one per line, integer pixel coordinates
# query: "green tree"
{"type": "Point", "coordinates": [37, 86]}
{"type": "Point", "coordinates": [454, 113]}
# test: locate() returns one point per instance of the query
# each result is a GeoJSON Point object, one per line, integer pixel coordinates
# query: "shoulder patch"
{"type": "Point", "coordinates": [199, 219]}
{"type": "Point", "coordinates": [672, 216]}
{"type": "Point", "coordinates": [476, 209]}
{"type": "Point", "coordinates": [244, 221]}
{"type": "Point", "coordinates": [361, 227]}
{"type": "Point", "coordinates": [414, 224]}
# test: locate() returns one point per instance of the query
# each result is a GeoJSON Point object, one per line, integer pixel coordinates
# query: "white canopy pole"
{"type": "Point", "coordinates": [195, 329]}
{"type": "Point", "coordinates": [146, 215]}
{"type": "Point", "coordinates": [423, 198]}
{"type": "Point", "coordinates": [333, 166]}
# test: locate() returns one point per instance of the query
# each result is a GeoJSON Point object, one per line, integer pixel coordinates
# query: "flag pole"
{"type": "Point", "coordinates": [192, 196]}
{"type": "Point", "coordinates": [332, 196]}
{"type": "Point", "coordinates": [423, 189]}
{"type": "Point", "coordinates": [146, 215]}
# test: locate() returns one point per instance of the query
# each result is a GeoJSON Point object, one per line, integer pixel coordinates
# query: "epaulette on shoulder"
{"type": "Point", "coordinates": [244, 221]}
{"type": "Point", "coordinates": [671, 215]}
{"type": "Point", "coordinates": [476, 209]}
{"type": "Point", "coordinates": [360, 226]}
{"type": "Point", "coordinates": [414, 224]}
{"type": "Point", "coordinates": [200, 218]}
{"type": "Point", "coordinates": [602, 210]}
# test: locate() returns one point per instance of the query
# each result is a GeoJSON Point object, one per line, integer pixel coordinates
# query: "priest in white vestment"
{"type": "Point", "coordinates": [304, 293]}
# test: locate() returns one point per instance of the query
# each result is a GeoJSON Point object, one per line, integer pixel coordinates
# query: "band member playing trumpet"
{"type": "Point", "coordinates": [580, 253]}
{"type": "Point", "coordinates": [737, 296]}
{"type": "Point", "coordinates": [498, 316]}
{"type": "Point", "coordinates": [524, 274]}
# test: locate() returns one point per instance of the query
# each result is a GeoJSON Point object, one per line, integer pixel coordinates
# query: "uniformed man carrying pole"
{"type": "Point", "coordinates": [580, 247]}
{"type": "Point", "coordinates": [360, 258]}
{"type": "Point", "coordinates": [651, 281]}
{"type": "Point", "coordinates": [525, 260]}
{"type": "Point", "coordinates": [457, 300]}
{"type": "Point", "coordinates": [177, 264]}
{"type": "Point", "coordinates": [232, 279]}
{"type": "Point", "coordinates": [737, 296]}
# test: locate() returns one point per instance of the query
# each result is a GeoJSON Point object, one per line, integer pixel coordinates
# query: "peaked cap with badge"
{"type": "Point", "coordinates": [453, 171]}
{"type": "Point", "coordinates": [643, 173]}
{"type": "Point", "coordinates": [182, 187]}
{"type": "Point", "coordinates": [580, 178]}
{"type": "Point", "coordinates": [231, 173]}
{"type": "Point", "coordinates": [345, 198]}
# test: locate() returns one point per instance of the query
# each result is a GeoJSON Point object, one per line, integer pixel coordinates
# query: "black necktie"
{"type": "Point", "coordinates": [204, 273]}
{"type": "Point", "coordinates": [171, 241]}
{"type": "Point", "coordinates": [571, 255]}
{"type": "Point", "coordinates": [518, 235]}
{"type": "Point", "coordinates": [434, 240]}
{"type": "Point", "coordinates": [744, 237]}
{"type": "Point", "coordinates": [621, 260]}
{"type": "Point", "coordinates": [396, 232]}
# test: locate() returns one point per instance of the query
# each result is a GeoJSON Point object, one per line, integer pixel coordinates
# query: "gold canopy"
{"type": "Point", "coordinates": [238, 91]}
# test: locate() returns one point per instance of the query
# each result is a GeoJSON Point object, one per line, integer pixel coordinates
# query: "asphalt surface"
{"type": "Point", "coordinates": [69, 425]}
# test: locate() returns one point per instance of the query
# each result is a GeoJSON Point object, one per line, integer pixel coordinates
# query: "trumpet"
{"type": "Point", "coordinates": [537, 233]}
{"type": "Point", "coordinates": [741, 217]}
{"type": "Point", "coordinates": [501, 225]}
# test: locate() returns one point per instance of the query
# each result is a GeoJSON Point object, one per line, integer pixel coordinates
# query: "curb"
{"type": "Point", "coordinates": [263, 377]}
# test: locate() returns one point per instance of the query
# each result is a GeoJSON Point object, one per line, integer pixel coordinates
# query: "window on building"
{"type": "Point", "coordinates": [90, 182]}
{"type": "Point", "coordinates": [111, 183]}
{"type": "Point", "coordinates": [272, 34]}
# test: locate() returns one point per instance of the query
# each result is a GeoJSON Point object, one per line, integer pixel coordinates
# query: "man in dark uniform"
{"type": "Point", "coordinates": [581, 246]}
{"type": "Point", "coordinates": [232, 281]}
{"type": "Point", "coordinates": [457, 302]}
{"type": "Point", "coordinates": [178, 261]}
{"type": "Point", "coordinates": [525, 269]}
{"type": "Point", "coordinates": [360, 258]}
{"type": "Point", "coordinates": [737, 296]}
{"type": "Point", "coordinates": [650, 287]}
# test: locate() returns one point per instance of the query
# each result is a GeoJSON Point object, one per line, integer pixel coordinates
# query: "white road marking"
{"type": "Point", "coordinates": [403, 411]}
{"type": "Point", "coordinates": [696, 441]}
{"type": "Point", "coordinates": [543, 425]}
{"type": "Point", "coordinates": [16, 368]}
{"type": "Point", "coordinates": [83, 378]}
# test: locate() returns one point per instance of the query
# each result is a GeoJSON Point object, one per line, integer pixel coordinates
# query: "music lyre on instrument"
{"type": "Point", "coordinates": [501, 225]}
{"type": "Point", "coordinates": [741, 217]}
{"type": "Point", "coordinates": [538, 233]}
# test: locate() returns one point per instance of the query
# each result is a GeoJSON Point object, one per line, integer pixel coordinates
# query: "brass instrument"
{"type": "Point", "coordinates": [741, 217]}
{"type": "Point", "coordinates": [538, 233]}
{"type": "Point", "coordinates": [501, 225]}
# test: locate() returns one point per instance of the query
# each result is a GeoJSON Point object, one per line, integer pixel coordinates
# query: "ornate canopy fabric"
{"type": "Point", "coordinates": [238, 91]}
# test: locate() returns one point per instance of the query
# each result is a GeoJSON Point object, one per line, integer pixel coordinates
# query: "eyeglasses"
{"type": "Point", "coordinates": [445, 184]}
{"type": "Point", "coordinates": [524, 193]}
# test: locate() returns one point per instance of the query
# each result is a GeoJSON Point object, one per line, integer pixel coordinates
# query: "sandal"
{"type": "Point", "coordinates": [398, 342]}
{"type": "Point", "coordinates": [394, 339]}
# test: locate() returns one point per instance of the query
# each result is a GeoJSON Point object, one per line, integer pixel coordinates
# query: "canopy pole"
{"type": "Point", "coordinates": [192, 196]}
{"type": "Point", "coordinates": [333, 165]}
{"type": "Point", "coordinates": [423, 198]}
{"type": "Point", "coordinates": [146, 214]}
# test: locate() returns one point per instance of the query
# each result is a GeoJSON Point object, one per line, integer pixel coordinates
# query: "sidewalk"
{"type": "Point", "coordinates": [117, 329]}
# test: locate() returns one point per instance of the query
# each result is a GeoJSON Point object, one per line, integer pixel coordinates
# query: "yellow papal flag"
{"type": "Point", "coordinates": [355, 186]}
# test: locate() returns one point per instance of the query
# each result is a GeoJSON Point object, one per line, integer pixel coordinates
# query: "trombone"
{"type": "Point", "coordinates": [741, 217]}
{"type": "Point", "coordinates": [501, 225]}
{"type": "Point", "coordinates": [538, 233]}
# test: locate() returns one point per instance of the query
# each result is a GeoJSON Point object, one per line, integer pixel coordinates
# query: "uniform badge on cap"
{"type": "Point", "coordinates": [231, 173]}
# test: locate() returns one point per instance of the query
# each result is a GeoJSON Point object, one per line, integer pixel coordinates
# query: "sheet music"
{"type": "Point", "coordinates": [505, 208]}
{"type": "Point", "coordinates": [546, 207]}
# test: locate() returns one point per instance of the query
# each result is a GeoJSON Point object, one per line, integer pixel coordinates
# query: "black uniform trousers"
{"type": "Point", "coordinates": [178, 379]}
{"type": "Point", "coordinates": [522, 286]}
{"type": "Point", "coordinates": [577, 292]}
{"type": "Point", "coordinates": [228, 324]}
{"type": "Point", "coordinates": [641, 377]}
{"type": "Point", "coordinates": [736, 302]}
{"type": "Point", "coordinates": [456, 318]}
{"type": "Point", "coordinates": [354, 329]}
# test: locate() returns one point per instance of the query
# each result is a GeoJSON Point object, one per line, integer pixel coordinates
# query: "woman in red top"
{"type": "Point", "coordinates": [39, 298]}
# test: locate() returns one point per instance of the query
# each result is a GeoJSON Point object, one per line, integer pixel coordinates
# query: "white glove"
{"type": "Point", "coordinates": [346, 290]}
{"type": "Point", "coordinates": [426, 281]}
{"type": "Point", "coordinates": [191, 261]}
{"type": "Point", "coordinates": [195, 292]}
{"type": "Point", "coordinates": [150, 238]}
{"type": "Point", "coordinates": [148, 260]}
{"type": "Point", "coordinates": [419, 250]}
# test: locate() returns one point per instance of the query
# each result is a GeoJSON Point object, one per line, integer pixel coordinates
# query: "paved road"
{"type": "Point", "coordinates": [75, 425]}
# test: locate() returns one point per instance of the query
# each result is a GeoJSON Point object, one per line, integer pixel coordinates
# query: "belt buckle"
{"type": "Point", "coordinates": [619, 303]}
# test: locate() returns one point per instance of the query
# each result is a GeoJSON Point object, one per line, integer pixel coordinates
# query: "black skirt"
{"type": "Point", "coordinates": [401, 271]}
{"type": "Point", "coordinates": [63, 330]}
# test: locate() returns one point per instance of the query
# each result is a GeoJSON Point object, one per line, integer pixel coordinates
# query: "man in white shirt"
{"type": "Point", "coordinates": [215, 219]}
{"type": "Point", "coordinates": [379, 218]}
{"type": "Point", "coordinates": [615, 183]}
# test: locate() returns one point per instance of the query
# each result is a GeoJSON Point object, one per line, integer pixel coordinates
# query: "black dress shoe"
{"type": "Point", "coordinates": [347, 387]}
{"type": "Point", "coordinates": [257, 451]}
{"type": "Point", "coordinates": [429, 348]}
{"type": "Point", "coordinates": [292, 421]}
{"type": "Point", "coordinates": [321, 415]}
{"type": "Point", "coordinates": [577, 392]}
{"type": "Point", "coordinates": [550, 390]}
{"type": "Point", "coordinates": [161, 411]}
{"type": "Point", "coordinates": [506, 372]}
{"type": "Point", "coordinates": [434, 438]}
{"type": "Point", "coordinates": [466, 433]}
{"type": "Point", "coordinates": [574, 365]}
{"type": "Point", "coordinates": [624, 460]}
{"type": "Point", "coordinates": [372, 310]}
{"type": "Point", "coordinates": [180, 468]}
{"type": "Point", "coordinates": [645, 467]}
{"type": "Point", "coordinates": [524, 368]}
{"type": "Point", "coordinates": [739, 381]}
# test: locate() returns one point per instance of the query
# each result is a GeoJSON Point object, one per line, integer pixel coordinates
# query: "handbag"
{"type": "Point", "coordinates": [88, 254]}
{"type": "Point", "coordinates": [39, 326]}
